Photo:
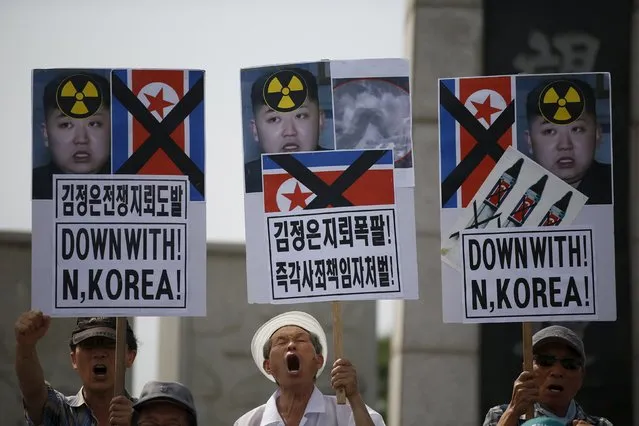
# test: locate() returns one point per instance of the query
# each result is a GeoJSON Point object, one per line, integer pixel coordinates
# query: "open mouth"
{"type": "Point", "coordinates": [292, 363]}
{"type": "Point", "coordinates": [81, 156]}
{"type": "Point", "coordinates": [566, 162]}
{"type": "Point", "coordinates": [290, 147]}
{"type": "Point", "coordinates": [555, 388]}
{"type": "Point", "coordinates": [100, 370]}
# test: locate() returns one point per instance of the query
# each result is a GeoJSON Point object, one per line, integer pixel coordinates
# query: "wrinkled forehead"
{"type": "Point", "coordinates": [290, 330]}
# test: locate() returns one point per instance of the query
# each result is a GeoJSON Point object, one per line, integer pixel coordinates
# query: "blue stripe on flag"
{"type": "Point", "coordinates": [327, 158]}
{"type": "Point", "coordinates": [119, 128]}
{"type": "Point", "coordinates": [196, 135]}
{"type": "Point", "coordinates": [447, 143]}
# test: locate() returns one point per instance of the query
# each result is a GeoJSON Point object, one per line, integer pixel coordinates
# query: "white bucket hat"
{"type": "Point", "coordinates": [297, 318]}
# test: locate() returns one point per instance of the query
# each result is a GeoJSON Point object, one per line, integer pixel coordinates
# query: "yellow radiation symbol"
{"type": "Point", "coordinates": [78, 96]}
{"type": "Point", "coordinates": [285, 91]}
{"type": "Point", "coordinates": [561, 102]}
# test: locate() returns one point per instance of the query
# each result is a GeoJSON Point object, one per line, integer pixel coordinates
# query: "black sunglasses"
{"type": "Point", "coordinates": [550, 360]}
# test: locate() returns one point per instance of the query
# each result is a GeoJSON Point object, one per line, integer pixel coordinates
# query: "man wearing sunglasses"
{"type": "Point", "coordinates": [558, 372]}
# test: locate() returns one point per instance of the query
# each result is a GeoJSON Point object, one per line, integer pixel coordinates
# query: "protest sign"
{"type": "Point", "coordinates": [118, 192]}
{"type": "Point", "coordinates": [526, 198]}
{"type": "Point", "coordinates": [349, 249]}
{"type": "Point", "coordinates": [528, 273]}
{"type": "Point", "coordinates": [329, 182]}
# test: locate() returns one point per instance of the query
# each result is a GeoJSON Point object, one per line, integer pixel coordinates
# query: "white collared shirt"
{"type": "Point", "coordinates": [321, 410]}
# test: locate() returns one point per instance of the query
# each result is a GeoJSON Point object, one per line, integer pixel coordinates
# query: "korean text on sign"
{"type": "Point", "coordinates": [114, 199]}
{"type": "Point", "coordinates": [121, 242]}
{"type": "Point", "coordinates": [529, 273]}
{"type": "Point", "coordinates": [333, 254]}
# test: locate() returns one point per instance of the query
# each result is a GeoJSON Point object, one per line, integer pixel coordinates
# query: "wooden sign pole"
{"type": "Point", "coordinates": [120, 354]}
{"type": "Point", "coordinates": [337, 343]}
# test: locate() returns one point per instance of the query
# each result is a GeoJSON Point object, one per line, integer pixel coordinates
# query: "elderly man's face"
{"type": "Point", "coordinates": [560, 372]}
{"type": "Point", "coordinates": [565, 150]}
{"type": "Point", "coordinates": [162, 414]}
{"type": "Point", "coordinates": [292, 358]}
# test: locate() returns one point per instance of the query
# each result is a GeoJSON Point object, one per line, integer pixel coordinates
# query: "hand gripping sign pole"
{"type": "Point", "coordinates": [120, 353]}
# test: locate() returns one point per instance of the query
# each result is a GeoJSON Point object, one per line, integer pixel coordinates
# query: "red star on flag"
{"type": "Point", "coordinates": [157, 102]}
{"type": "Point", "coordinates": [485, 110]}
{"type": "Point", "coordinates": [297, 197]}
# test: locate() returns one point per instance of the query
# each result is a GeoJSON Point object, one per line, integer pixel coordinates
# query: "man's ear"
{"type": "Point", "coordinates": [267, 366]}
{"type": "Point", "coordinates": [45, 135]}
{"type": "Point", "coordinates": [322, 117]}
{"type": "Point", "coordinates": [256, 138]}
{"type": "Point", "coordinates": [130, 357]}
{"type": "Point", "coordinates": [528, 141]}
{"type": "Point", "coordinates": [73, 360]}
{"type": "Point", "coordinates": [597, 136]}
{"type": "Point", "coordinates": [320, 360]}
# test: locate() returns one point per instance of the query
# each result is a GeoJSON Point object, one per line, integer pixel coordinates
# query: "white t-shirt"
{"type": "Point", "coordinates": [321, 410]}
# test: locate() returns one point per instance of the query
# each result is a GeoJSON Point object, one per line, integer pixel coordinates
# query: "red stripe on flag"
{"type": "Point", "coordinates": [468, 87]}
{"type": "Point", "coordinates": [159, 163]}
{"type": "Point", "coordinates": [375, 187]}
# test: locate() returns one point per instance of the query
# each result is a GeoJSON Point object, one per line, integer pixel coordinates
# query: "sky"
{"type": "Point", "coordinates": [219, 36]}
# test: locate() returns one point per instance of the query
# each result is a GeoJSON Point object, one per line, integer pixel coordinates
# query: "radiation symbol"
{"type": "Point", "coordinates": [285, 91]}
{"type": "Point", "coordinates": [561, 102]}
{"type": "Point", "coordinates": [78, 96]}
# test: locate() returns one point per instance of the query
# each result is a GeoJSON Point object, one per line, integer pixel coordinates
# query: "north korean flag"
{"type": "Point", "coordinates": [159, 91]}
{"type": "Point", "coordinates": [485, 98]}
{"type": "Point", "coordinates": [285, 191]}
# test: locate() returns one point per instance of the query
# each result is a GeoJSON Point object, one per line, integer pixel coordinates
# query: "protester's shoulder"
{"type": "Point", "coordinates": [593, 420]}
{"type": "Point", "coordinates": [252, 417]}
{"type": "Point", "coordinates": [57, 404]}
{"type": "Point", "coordinates": [377, 418]}
{"type": "Point", "coordinates": [54, 393]}
{"type": "Point", "coordinates": [604, 422]}
{"type": "Point", "coordinates": [598, 421]}
{"type": "Point", "coordinates": [494, 414]}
